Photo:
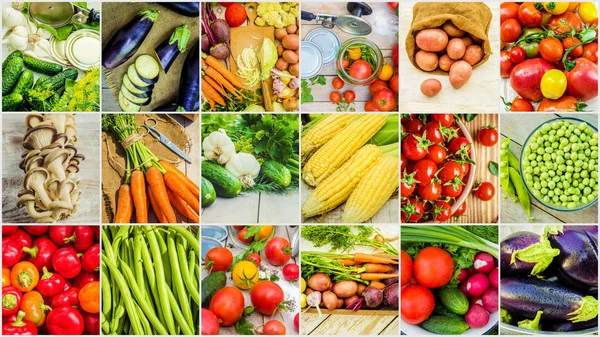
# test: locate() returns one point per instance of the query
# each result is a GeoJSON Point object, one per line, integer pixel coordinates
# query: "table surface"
{"type": "Point", "coordinates": [109, 101]}
{"type": "Point", "coordinates": [479, 94]}
{"type": "Point", "coordinates": [88, 143]}
{"type": "Point", "coordinates": [518, 127]}
{"type": "Point", "coordinates": [385, 42]}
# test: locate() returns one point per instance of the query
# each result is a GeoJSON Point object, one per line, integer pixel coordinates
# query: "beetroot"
{"type": "Point", "coordinates": [490, 300]}
{"type": "Point", "coordinates": [483, 263]}
{"type": "Point", "coordinates": [477, 284]}
{"type": "Point", "coordinates": [390, 296]}
{"type": "Point", "coordinates": [373, 297]}
{"type": "Point", "coordinates": [493, 277]}
{"type": "Point", "coordinates": [477, 316]}
{"type": "Point", "coordinates": [392, 280]}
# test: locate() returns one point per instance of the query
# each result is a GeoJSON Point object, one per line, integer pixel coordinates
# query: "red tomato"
{"type": "Point", "coordinates": [485, 191]}
{"type": "Point", "coordinates": [395, 50]}
{"type": "Point", "coordinates": [413, 148]}
{"type": "Point", "coordinates": [394, 82]}
{"type": "Point", "coordinates": [235, 15]}
{"type": "Point", "coordinates": [565, 22]}
{"type": "Point", "coordinates": [406, 267]}
{"type": "Point", "coordinates": [551, 49]}
{"type": "Point", "coordinates": [582, 81]}
{"type": "Point", "coordinates": [408, 183]}
{"type": "Point", "coordinates": [349, 96]}
{"type": "Point", "coordinates": [529, 15]}
{"type": "Point", "coordinates": [590, 51]}
{"type": "Point", "coordinates": [242, 236]}
{"type": "Point", "coordinates": [218, 259]}
{"type": "Point", "coordinates": [377, 85]}
{"type": "Point", "coordinates": [274, 327]}
{"type": "Point", "coordinates": [517, 54]}
{"type": "Point", "coordinates": [506, 64]}
{"type": "Point", "coordinates": [393, 6]}
{"type": "Point", "coordinates": [460, 146]}
{"type": "Point", "coordinates": [385, 100]}
{"type": "Point", "coordinates": [519, 104]}
{"type": "Point", "coordinates": [238, 227]}
{"type": "Point", "coordinates": [278, 251]}
{"type": "Point", "coordinates": [525, 78]}
{"type": "Point", "coordinates": [508, 10]}
{"type": "Point", "coordinates": [226, 4]}
{"type": "Point", "coordinates": [571, 41]}
{"type": "Point", "coordinates": [424, 170]}
{"type": "Point", "coordinates": [210, 323]}
{"type": "Point", "coordinates": [565, 103]}
{"type": "Point", "coordinates": [254, 258]}
{"type": "Point", "coordinates": [227, 305]}
{"type": "Point", "coordinates": [436, 154]}
{"type": "Point", "coordinates": [413, 125]}
{"type": "Point", "coordinates": [452, 190]}
{"type": "Point", "coordinates": [430, 192]}
{"type": "Point", "coordinates": [403, 162]}
{"type": "Point", "coordinates": [412, 210]}
{"type": "Point", "coordinates": [488, 136]}
{"type": "Point", "coordinates": [335, 97]}
{"type": "Point", "coordinates": [461, 209]}
{"type": "Point", "coordinates": [510, 30]}
{"type": "Point", "coordinates": [416, 304]}
{"type": "Point", "coordinates": [448, 171]}
{"type": "Point", "coordinates": [433, 267]}
{"type": "Point", "coordinates": [360, 69]}
{"type": "Point", "coordinates": [266, 297]}
{"type": "Point", "coordinates": [291, 272]}
{"type": "Point", "coordinates": [345, 63]}
{"type": "Point", "coordinates": [465, 169]}
{"type": "Point", "coordinates": [337, 83]}
{"type": "Point", "coordinates": [370, 106]}
{"type": "Point", "coordinates": [297, 321]}
{"type": "Point", "coordinates": [444, 120]}
{"type": "Point", "coordinates": [432, 133]}
{"type": "Point", "coordinates": [442, 211]}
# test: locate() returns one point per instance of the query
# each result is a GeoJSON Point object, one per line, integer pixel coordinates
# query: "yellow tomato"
{"type": "Point", "coordinates": [244, 275]}
{"type": "Point", "coordinates": [573, 6]}
{"type": "Point", "coordinates": [265, 232]}
{"type": "Point", "coordinates": [556, 8]}
{"type": "Point", "coordinates": [386, 72]}
{"type": "Point", "coordinates": [302, 301]}
{"type": "Point", "coordinates": [354, 54]}
{"type": "Point", "coordinates": [554, 84]}
{"type": "Point", "coordinates": [588, 12]}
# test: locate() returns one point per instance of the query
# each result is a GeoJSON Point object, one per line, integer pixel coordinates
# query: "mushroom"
{"type": "Point", "coordinates": [35, 179]}
{"type": "Point", "coordinates": [56, 162]}
{"type": "Point", "coordinates": [39, 136]}
{"type": "Point", "coordinates": [28, 200]}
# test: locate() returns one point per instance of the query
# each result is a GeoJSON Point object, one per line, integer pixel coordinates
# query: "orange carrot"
{"type": "Point", "coordinates": [211, 102]}
{"type": "Point", "coordinates": [215, 85]}
{"type": "Point", "coordinates": [157, 183]}
{"type": "Point", "coordinates": [377, 268]}
{"type": "Point", "coordinates": [347, 262]}
{"type": "Point", "coordinates": [181, 207]}
{"type": "Point", "coordinates": [177, 186]}
{"type": "Point", "coordinates": [377, 285]}
{"type": "Point", "coordinates": [221, 80]}
{"type": "Point", "coordinates": [124, 205]}
{"type": "Point", "coordinates": [191, 186]}
{"type": "Point", "coordinates": [218, 66]}
{"type": "Point", "coordinates": [159, 215]}
{"type": "Point", "coordinates": [138, 192]}
{"type": "Point", "coordinates": [368, 258]}
{"type": "Point", "coordinates": [376, 276]}
{"type": "Point", "coordinates": [210, 92]}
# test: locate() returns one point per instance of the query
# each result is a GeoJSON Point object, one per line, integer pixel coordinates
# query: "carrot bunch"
{"type": "Point", "coordinates": [360, 267]}
{"type": "Point", "coordinates": [216, 78]}
{"type": "Point", "coordinates": [148, 179]}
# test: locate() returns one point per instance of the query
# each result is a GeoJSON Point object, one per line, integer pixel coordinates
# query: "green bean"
{"type": "Point", "coordinates": [144, 320]}
{"type": "Point", "coordinates": [177, 278]}
{"type": "Point", "coordinates": [193, 265]}
{"type": "Point", "coordinates": [128, 328]}
{"type": "Point", "coordinates": [106, 246]}
{"type": "Point", "coordinates": [105, 324]}
{"type": "Point", "coordinates": [106, 291]}
{"type": "Point", "coordinates": [138, 267]}
{"type": "Point", "coordinates": [165, 258]}
{"type": "Point", "coordinates": [521, 192]}
{"type": "Point", "coordinates": [183, 323]}
{"type": "Point", "coordinates": [189, 237]}
{"type": "Point", "coordinates": [189, 284]}
{"type": "Point", "coordinates": [151, 277]}
{"type": "Point", "coordinates": [118, 315]}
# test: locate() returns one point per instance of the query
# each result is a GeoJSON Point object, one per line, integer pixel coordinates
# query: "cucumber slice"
{"type": "Point", "coordinates": [126, 105]}
{"type": "Point", "coordinates": [147, 67]}
{"type": "Point", "coordinates": [135, 78]}
{"type": "Point", "coordinates": [134, 90]}
{"type": "Point", "coordinates": [132, 98]}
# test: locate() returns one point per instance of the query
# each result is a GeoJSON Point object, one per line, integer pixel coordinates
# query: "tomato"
{"type": "Point", "coordinates": [442, 211]}
{"type": "Point", "coordinates": [465, 169]}
{"type": "Point", "coordinates": [433, 267]}
{"type": "Point", "coordinates": [238, 227]}
{"type": "Point", "coordinates": [590, 52]}
{"type": "Point", "coordinates": [412, 210]}
{"type": "Point", "coordinates": [266, 297]}
{"type": "Point", "coordinates": [519, 104]}
{"type": "Point", "coordinates": [377, 85]}
{"type": "Point", "coordinates": [406, 266]}
{"type": "Point", "coordinates": [485, 191]}
{"type": "Point", "coordinates": [349, 96]}
{"type": "Point", "coordinates": [414, 147]}
{"type": "Point", "coordinates": [242, 236]}
{"type": "Point", "coordinates": [508, 10]}
{"type": "Point", "coordinates": [345, 63]}
{"type": "Point", "coordinates": [297, 321]}
{"type": "Point", "coordinates": [226, 4]}
{"type": "Point", "coordinates": [274, 327]}
{"type": "Point", "coordinates": [448, 171]}
{"type": "Point", "coordinates": [432, 133]}
{"type": "Point", "coordinates": [416, 304]}
{"type": "Point", "coordinates": [506, 64]}
{"type": "Point", "coordinates": [394, 83]}
{"type": "Point", "coordinates": [291, 272]}
{"type": "Point", "coordinates": [529, 15]}
{"type": "Point", "coordinates": [254, 258]}
{"type": "Point", "coordinates": [403, 162]}
{"type": "Point", "coordinates": [360, 70]}
{"type": "Point", "coordinates": [517, 54]}
{"type": "Point", "coordinates": [210, 323]}
{"type": "Point", "coordinates": [461, 209]}
{"type": "Point", "coordinates": [244, 275]}
{"type": "Point", "coordinates": [424, 170]}
{"type": "Point", "coordinates": [385, 100]}
{"type": "Point", "coordinates": [444, 120]}
{"type": "Point", "coordinates": [354, 54]}
{"type": "Point", "coordinates": [337, 83]}
{"type": "Point", "coordinates": [235, 15]}
{"type": "Point", "coordinates": [565, 22]}
{"type": "Point", "coordinates": [460, 147]}
{"type": "Point", "coordinates": [395, 51]}
{"type": "Point", "coordinates": [413, 125]}
{"type": "Point", "coordinates": [488, 136]}
{"type": "Point", "coordinates": [452, 191]}
{"type": "Point", "coordinates": [510, 30]}
{"type": "Point", "coordinates": [554, 84]}
{"type": "Point", "coordinates": [393, 6]}
{"type": "Point", "coordinates": [582, 80]}
{"type": "Point", "coordinates": [432, 191]}
{"type": "Point", "coordinates": [565, 103]}
{"type": "Point", "coordinates": [218, 259]}
{"type": "Point", "coordinates": [387, 71]}
{"type": "Point", "coordinates": [265, 231]}
{"type": "Point", "coordinates": [556, 8]}
{"type": "Point", "coordinates": [551, 49]}
{"type": "Point", "coordinates": [370, 106]}
{"type": "Point", "coordinates": [587, 12]}
{"type": "Point", "coordinates": [573, 6]}
{"type": "Point", "coordinates": [571, 41]}
{"type": "Point", "coordinates": [335, 97]}
{"type": "Point", "coordinates": [436, 154]}
{"type": "Point", "coordinates": [526, 76]}
{"type": "Point", "coordinates": [278, 251]}
{"type": "Point", "coordinates": [228, 305]}
{"type": "Point", "coordinates": [408, 183]}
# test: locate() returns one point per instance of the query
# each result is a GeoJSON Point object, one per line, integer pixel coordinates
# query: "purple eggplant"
{"type": "Point", "coordinates": [169, 49]}
{"type": "Point", "coordinates": [525, 253]}
{"type": "Point", "coordinates": [568, 326]}
{"type": "Point", "coordinates": [577, 264]}
{"type": "Point", "coordinates": [189, 83]}
{"type": "Point", "coordinates": [128, 39]}
{"type": "Point", "coordinates": [191, 9]}
{"type": "Point", "coordinates": [525, 296]}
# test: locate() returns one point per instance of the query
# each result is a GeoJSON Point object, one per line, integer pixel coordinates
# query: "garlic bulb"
{"type": "Point", "coordinates": [245, 167]}
{"type": "Point", "coordinates": [18, 39]}
{"type": "Point", "coordinates": [218, 147]}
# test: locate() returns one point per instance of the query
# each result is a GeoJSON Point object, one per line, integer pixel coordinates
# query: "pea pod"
{"type": "Point", "coordinates": [521, 192]}
{"type": "Point", "coordinates": [504, 174]}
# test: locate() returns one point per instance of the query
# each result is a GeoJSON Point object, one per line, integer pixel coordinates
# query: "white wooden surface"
{"type": "Point", "coordinates": [254, 208]}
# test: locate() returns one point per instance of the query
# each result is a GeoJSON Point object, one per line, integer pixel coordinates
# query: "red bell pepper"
{"type": "Point", "coordinates": [41, 253]}
{"type": "Point", "coordinates": [9, 319]}
{"type": "Point", "coordinates": [36, 230]}
{"type": "Point", "coordinates": [19, 327]}
{"type": "Point", "coordinates": [11, 300]}
{"type": "Point", "coordinates": [11, 252]}
{"type": "Point", "coordinates": [50, 284]}
{"type": "Point", "coordinates": [66, 262]}
{"type": "Point", "coordinates": [83, 237]}
{"type": "Point", "coordinates": [22, 238]}
{"type": "Point", "coordinates": [96, 230]}
{"type": "Point", "coordinates": [91, 259]}
{"type": "Point", "coordinates": [84, 278]}
{"type": "Point", "coordinates": [92, 323]}
{"type": "Point", "coordinates": [65, 320]}
{"type": "Point", "coordinates": [8, 230]}
{"type": "Point", "coordinates": [67, 285]}
{"type": "Point", "coordinates": [61, 234]}
{"type": "Point", "coordinates": [69, 297]}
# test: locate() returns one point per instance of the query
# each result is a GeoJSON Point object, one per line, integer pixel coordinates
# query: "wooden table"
{"type": "Point", "coordinates": [88, 143]}
{"type": "Point", "coordinates": [385, 42]}
{"type": "Point", "coordinates": [479, 94]}
{"type": "Point", "coordinates": [343, 322]}
{"type": "Point", "coordinates": [291, 289]}
{"type": "Point", "coordinates": [249, 208]}
{"type": "Point", "coordinates": [109, 101]}
{"type": "Point", "coordinates": [518, 127]}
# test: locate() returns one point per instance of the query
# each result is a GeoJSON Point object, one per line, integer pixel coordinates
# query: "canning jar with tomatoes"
{"type": "Point", "coordinates": [359, 61]}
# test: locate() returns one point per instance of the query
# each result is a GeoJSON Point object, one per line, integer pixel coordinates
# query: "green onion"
{"type": "Point", "coordinates": [452, 235]}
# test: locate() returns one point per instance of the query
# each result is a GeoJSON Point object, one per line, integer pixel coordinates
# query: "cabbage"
{"type": "Point", "coordinates": [268, 58]}
{"type": "Point", "coordinates": [254, 108]}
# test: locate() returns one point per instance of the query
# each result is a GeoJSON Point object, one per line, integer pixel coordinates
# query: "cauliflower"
{"type": "Point", "coordinates": [259, 21]}
{"type": "Point", "coordinates": [278, 15]}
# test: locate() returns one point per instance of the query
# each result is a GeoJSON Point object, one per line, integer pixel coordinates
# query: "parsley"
{"type": "Point", "coordinates": [244, 326]}
{"type": "Point", "coordinates": [305, 92]}
{"type": "Point", "coordinates": [345, 238]}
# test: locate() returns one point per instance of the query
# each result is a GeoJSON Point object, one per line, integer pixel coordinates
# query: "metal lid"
{"type": "Point", "coordinates": [54, 14]}
{"type": "Point", "coordinates": [353, 25]}
{"type": "Point", "coordinates": [83, 48]}
{"type": "Point", "coordinates": [57, 51]}
{"type": "Point", "coordinates": [327, 41]}
{"type": "Point", "coordinates": [312, 59]}
{"type": "Point", "coordinates": [207, 244]}
{"type": "Point", "coordinates": [215, 232]}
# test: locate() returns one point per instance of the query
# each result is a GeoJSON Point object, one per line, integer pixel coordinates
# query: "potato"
{"type": "Point", "coordinates": [452, 30]}
{"type": "Point", "coordinates": [473, 54]}
{"type": "Point", "coordinates": [291, 42]}
{"type": "Point", "coordinates": [290, 56]}
{"type": "Point", "coordinates": [350, 300]}
{"type": "Point", "coordinates": [294, 69]}
{"type": "Point", "coordinates": [292, 29]}
{"type": "Point", "coordinates": [445, 62]}
{"type": "Point", "coordinates": [456, 48]}
{"type": "Point", "coordinates": [340, 303]}
{"type": "Point", "coordinates": [361, 287]}
{"type": "Point", "coordinates": [329, 300]}
{"type": "Point", "coordinates": [280, 33]}
{"type": "Point", "coordinates": [432, 40]}
{"type": "Point", "coordinates": [460, 73]}
{"type": "Point", "coordinates": [280, 50]}
{"type": "Point", "coordinates": [431, 87]}
{"type": "Point", "coordinates": [426, 60]}
{"type": "Point", "coordinates": [475, 39]}
{"type": "Point", "coordinates": [467, 40]}
{"type": "Point", "coordinates": [282, 64]}
{"type": "Point", "coordinates": [345, 289]}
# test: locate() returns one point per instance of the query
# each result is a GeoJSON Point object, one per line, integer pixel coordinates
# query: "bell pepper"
{"type": "Point", "coordinates": [8, 230]}
{"type": "Point", "coordinates": [36, 230]}
{"type": "Point", "coordinates": [68, 297]}
{"type": "Point", "coordinates": [66, 262]}
{"type": "Point", "coordinates": [11, 252]}
{"type": "Point", "coordinates": [530, 41]}
{"type": "Point", "coordinates": [50, 284]}
{"type": "Point", "coordinates": [11, 300]}
{"type": "Point", "coordinates": [84, 278]}
{"type": "Point", "coordinates": [61, 234]}
{"type": "Point", "coordinates": [24, 276]}
{"type": "Point", "coordinates": [83, 238]}
{"type": "Point", "coordinates": [65, 321]}
{"type": "Point", "coordinates": [89, 297]}
{"type": "Point", "coordinates": [5, 277]}
{"type": "Point", "coordinates": [41, 253]}
{"type": "Point", "coordinates": [91, 259]}
{"type": "Point", "coordinates": [22, 238]}
{"type": "Point", "coordinates": [67, 285]}
{"type": "Point", "coordinates": [91, 323]}
{"type": "Point", "coordinates": [96, 230]}
{"type": "Point", "coordinates": [9, 319]}
{"type": "Point", "coordinates": [34, 308]}
{"type": "Point", "coordinates": [19, 327]}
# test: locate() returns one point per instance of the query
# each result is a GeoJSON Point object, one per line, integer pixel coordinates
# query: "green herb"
{"type": "Point", "coordinates": [306, 90]}
{"type": "Point", "coordinates": [234, 104]}
{"type": "Point", "coordinates": [345, 238]}
{"type": "Point", "coordinates": [489, 233]}
{"type": "Point", "coordinates": [343, 105]}
{"type": "Point", "coordinates": [255, 247]}
{"type": "Point", "coordinates": [493, 166]}
{"type": "Point", "coordinates": [318, 262]}
{"type": "Point", "coordinates": [244, 326]}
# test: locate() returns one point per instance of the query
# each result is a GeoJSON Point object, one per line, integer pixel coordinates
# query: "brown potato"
{"type": "Point", "coordinates": [292, 29]}
{"type": "Point", "coordinates": [345, 289]}
{"type": "Point", "coordinates": [431, 87]}
{"type": "Point", "coordinates": [432, 40]}
{"type": "Point", "coordinates": [475, 39]}
{"type": "Point", "coordinates": [445, 62]}
{"type": "Point", "coordinates": [426, 60]}
{"type": "Point", "coordinates": [452, 30]}
{"type": "Point", "coordinates": [280, 33]}
{"type": "Point", "coordinates": [290, 56]}
{"type": "Point", "coordinates": [291, 42]}
{"type": "Point", "coordinates": [340, 303]}
{"type": "Point", "coordinates": [460, 73]}
{"type": "Point", "coordinates": [350, 300]}
{"type": "Point", "coordinates": [467, 40]}
{"type": "Point", "coordinates": [456, 48]}
{"type": "Point", "coordinates": [282, 64]}
{"type": "Point", "coordinates": [294, 69]}
{"type": "Point", "coordinates": [473, 54]}
{"type": "Point", "coordinates": [280, 50]}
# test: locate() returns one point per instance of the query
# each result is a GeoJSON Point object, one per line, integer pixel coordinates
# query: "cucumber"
{"type": "Point", "coordinates": [126, 105]}
{"type": "Point", "coordinates": [210, 285]}
{"type": "Point", "coordinates": [454, 300]}
{"type": "Point", "coordinates": [135, 77]}
{"type": "Point", "coordinates": [226, 184]}
{"type": "Point", "coordinates": [16, 53]}
{"type": "Point", "coordinates": [11, 102]}
{"type": "Point", "coordinates": [440, 309]}
{"type": "Point", "coordinates": [443, 325]}
{"type": "Point", "coordinates": [24, 83]}
{"type": "Point", "coordinates": [277, 172]}
{"type": "Point", "coordinates": [208, 193]}
{"type": "Point", "coordinates": [41, 66]}
{"type": "Point", "coordinates": [11, 74]}
{"type": "Point", "coordinates": [148, 68]}
{"type": "Point", "coordinates": [58, 81]}
{"type": "Point", "coordinates": [40, 81]}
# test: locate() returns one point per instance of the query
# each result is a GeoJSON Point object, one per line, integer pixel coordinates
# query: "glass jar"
{"type": "Point", "coordinates": [375, 70]}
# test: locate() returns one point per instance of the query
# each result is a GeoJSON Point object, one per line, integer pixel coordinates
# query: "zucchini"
{"type": "Point", "coordinates": [11, 74]}
{"type": "Point", "coordinates": [41, 66]}
{"type": "Point", "coordinates": [11, 102]}
{"type": "Point", "coordinates": [210, 285]}
{"type": "Point", "coordinates": [208, 193]}
{"type": "Point", "coordinates": [454, 300]}
{"type": "Point", "coordinates": [16, 53]}
{"type": "Point", "coordinates": [135, 77]}
{"type": "Point", "coordinates": [24, 83]}
{"type": "Point", "coordinates": [277, 172]}
{"type": "Point", "coordinates": [58, 81]}
{"type": "Point", "coordinates": [444, 325]}
{"type": "Point", "coordinates": [132, 98]}
{"type": "Point", "coordinates": [126, 105]}
{"type": "Point", "coordinates": [225, 183]}
{"type": "Point", "coordinates": [148, 68]}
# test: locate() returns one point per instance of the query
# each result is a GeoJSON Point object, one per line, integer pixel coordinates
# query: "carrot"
{"type": "Point", "coordinates": [177, 186]}
{"type": "Point", "coordinates": [157, 183]}
{"type": "Point", "coordinates": [386, 256]}
{"type": "Point", "coordinates": [377, 285]}
{"type": "Point", "coordinates": [159, 215]}
{"type": "Point", "coordinates": [218, 66]}
{"type": "Point", "coordinates": [369, 258]}
{"type": "Point", "coordinates": [138, 192]}
{"type": "Point", "coordinates": [181, 207]}
{"type": "Point", "coordinates": [191, 186]}
{"type": "Point", "coordinates": [347, 262]}
{"type": "Point", "coordinates": [211, 93]}
{"type": "Point", "coordinates": [376, 276]}
{"type": "Point", "coordinates": [377, 268]}
{"type": "Point", "coordinates": [124, 205]}
{"type": "Point", "coordinates": [215, 85]}
{"type": "Point", "coordinates": [215, 75]}
{"type": "Point", "coordinates": [211, 102]}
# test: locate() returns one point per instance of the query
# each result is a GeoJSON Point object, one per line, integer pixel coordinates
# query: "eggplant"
{"type": "Point", "coordinates": [525, 296]}
{"type": "Point", "coordinates": [568, 326]}
{"type": "Point", "coordinates": [525, 253]}
{"type": "Point", "coordinates": [189, 83]}
{"type": "Point", "coordinates": [191, 9]}
{"type": "Point", "coordinates": [170, 107]}
{"type": "Point", "coordinates": [169, 49]}
{"type": "Point", "coordinates": [128, 39]}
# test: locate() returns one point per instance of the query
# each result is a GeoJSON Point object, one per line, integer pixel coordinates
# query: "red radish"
{"type": "Point", "coordinates": [476, 300]}
{"type": "Point", "coordinates": [493, 276]}
{"type": "Point", "coordinates": [490, 300]}
{"type": "Point", "coordinates": [484, 262]}
{"type": "Point", "coordinates": [472, 271]}
{"type": "Point", "coordinates": [477, 316]}
{"type": "Point", "coordinates": [463, 288]}
{"type": "Point", "coordinates": [477, 284]}
{"type": "Point", "coordinates": [463, 275]}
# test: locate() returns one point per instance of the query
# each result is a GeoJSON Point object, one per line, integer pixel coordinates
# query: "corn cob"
{"type": "Point", "coordinates": [322, 133]}
{"type": "Point", "coordinates": [389, 133]}
{"type": "Point", "coordinates": [336, 189]}
{"type": "Point", "coordinates": [341, 147]}
{"type": "Point", "coordinates": [372, 192]}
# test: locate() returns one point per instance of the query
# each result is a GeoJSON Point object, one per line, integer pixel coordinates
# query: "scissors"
{"type": "Point", "coordinates": [150, 125]}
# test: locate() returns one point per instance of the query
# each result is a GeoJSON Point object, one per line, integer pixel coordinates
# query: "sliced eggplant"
{"type": "Point", "coordinates": [132, 98]}
{"type": "Point", "coordinates": [134, 89]}
{"type": "Point", "coordinates": [147, 67]}
{"type": "Point", "coordinates": [126, 105]}
{"type": "Point", "coordinates": [135, 78]}
{"type": "Point", "coordinates": [147, 102]}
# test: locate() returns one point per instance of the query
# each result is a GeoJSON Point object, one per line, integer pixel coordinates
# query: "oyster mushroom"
{"type": "Point", "coordinates": [28, 200]}
{"type": "Point", "coordinates": [35, 179]}
{"type": "Point", "coordinates": [39, 136]}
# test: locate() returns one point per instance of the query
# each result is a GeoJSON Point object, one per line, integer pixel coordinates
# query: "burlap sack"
{"type": "Point", "coordinates": [113, 156]}
{"type": "Point", "coordinates": [116, 14]}
{"type": "Point", "coordinates": [472, 17]}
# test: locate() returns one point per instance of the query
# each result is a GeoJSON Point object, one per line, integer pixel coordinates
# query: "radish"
{"type": "Point", "coordinates": [477, 284]}
{"type": "Point", "coordinates": [490, 300]}
{"type": "Point", "coordinates": [477, 316]}
{"type": "Point", "coordinates": [476, 300]}
{"type": "Point", "coordinates": [493, 276]}
{"type": "Point", "coordinates": [463, 288]}
{"type": "Point", "coordinates": [483, 263]}
{"type": "Point", "coordinates": [463, 275]}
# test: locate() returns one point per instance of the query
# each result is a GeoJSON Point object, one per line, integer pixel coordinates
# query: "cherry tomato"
{"type": "Point", "coordinates": [345, 63]}
{"type": "Point", "coordinates": [508, 10]}
{"type": "Point", "coordinates": [551, 49]}
{"type": "Point", "coordinates": [432, 191]}
{"type": "Point", "coordinates": [452, 191]}
{"type": "Point", "coordinates": [424, 170]}
{"type": "Point", "coordinates": [412, 210]}
{"type": "Point", "coordinates": [445, 120]}
{"type": "Point", "coordinates": [385, 100]}
{"type": "Point", "coordinates": [337, 83]}
{"type": "Point", "coordinates": [408, 183]}
{"type": "Point", "coordinates": [590, 52]}
{"type": "Point", "coordinates": [517, 54]}
{"type": "Point", "coordinates": [335, 97]}
{"type": "Point", "coordinates": [413, 148]}
{"type": "Point", "coordinates": [370, 106]}
{"type": "Point", "coordinates": [416, 304]}
{"type": "Point", "coordinates": [349, 96]}
{"type": "Point", "coordinates": [519, 104]}
{"type": "Point", "coordinates": [565, 23]}
{"type": "Point", "coordinates": [442, 211]}
{"type": "Point", "coordinates": [274, 327]}
{"type": "Point", "coordinates": [291, 272]}
{"type": "Point", "coordinates": [406, 267]}
{"type": "Point", "coordinates": [572, 41]}
{"type": "Point", "coordinates": [436, 154]}
{"type": "Point", "coordinates": [488, 136]}
{"type": "Point", "coordinates": [218, 259]}
{"type": "Point", "coordinates": [587, 12]}
{"type": "Point", "coordinates": [529, 15]}
{"type": "Point", "coordinates": [461, 209]}
{"type": "Point", "coordinates": [460, 146]}
{"type": "Point", "coordinates": [565, 103]}
{"type": "Point", "coordinates": [556, 8]}
{"type": "Point", "coordinates": [354, 54]}
{"type": "Point", "coordinates": [254, 258]}
{"type": "Point", "coordinates": [403, 162]}
{"type": "Point", "coordinates": [413, 125]}
{"type": "Point", "coordinates": [448, 171]}
{"type": "Point", "coordinates": [394, 82]}
{"type": "Point", "coordinates": [360, 69]}
{"type": "Point", "coordinates": [238, 227]}
{"type": "Point", "coordinates": [506, 64]}
{"type": "Point", "coordinates": [242, 236]}
{"type": "Point", "coordinates": [393, 5]}
{"type": "Point", "coordinates": [278, 251]}
{"type": "Point", "coordinates": [465, 169]}
{"type": "Point", "coordinates": [377, 85]}
{"type": "Point", "coordinates": [510, 30]}
{"type": "Point", "coordinates": [485, 191]}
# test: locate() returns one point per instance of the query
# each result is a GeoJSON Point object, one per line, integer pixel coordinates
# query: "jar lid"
{"type": "Point", "coordinates": [57, 50]}
{"type": "Point", "coordinates": [53, 14]}
{"type": "Point", "coordinates": [312, 59]}
{"type": "Point", "coordinates": [327, 41]}
{"type": "Point", "coordinates": [82, 49]}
